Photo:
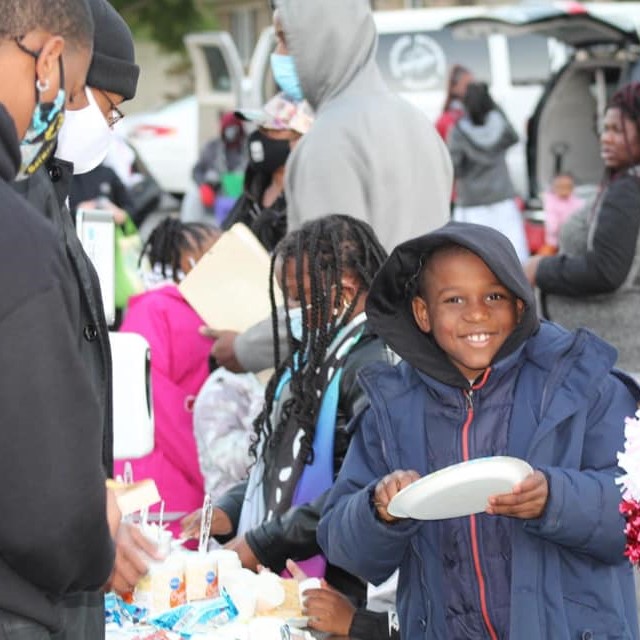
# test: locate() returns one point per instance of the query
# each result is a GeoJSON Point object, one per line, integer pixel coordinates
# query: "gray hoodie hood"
{"type": "Point", "coordinates": [343, 27]}
{"type": "Point", "coordinates": [370, 154]}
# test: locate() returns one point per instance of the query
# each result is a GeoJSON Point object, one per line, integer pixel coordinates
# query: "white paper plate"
{"type": "Point", "coordinates": [459, 490]}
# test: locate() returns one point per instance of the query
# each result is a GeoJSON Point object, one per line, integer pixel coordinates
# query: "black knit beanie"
{"type": "Point", "coordinates": [113, 66]}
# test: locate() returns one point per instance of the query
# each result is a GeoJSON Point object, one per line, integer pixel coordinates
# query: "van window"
{"type": "Point", "coordinates": [218, 69]}
{"type": "Point", "coordinates": [529, 59]}
{"type": "Point", "coordinates": [414, 62]}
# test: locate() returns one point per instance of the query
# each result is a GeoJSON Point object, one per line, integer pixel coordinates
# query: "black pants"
{"type": "Point", "coordinates": [82, 617]}
{"type": "Point", "coordinates": [13, 627]}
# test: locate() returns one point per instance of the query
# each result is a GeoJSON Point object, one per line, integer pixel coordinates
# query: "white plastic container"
{"type": "Point", "coordinates": [164, 585]}
{"type": "Point", "coordinates": [201, 576]}
{"type": "Point", "coordinates": [226, 562]}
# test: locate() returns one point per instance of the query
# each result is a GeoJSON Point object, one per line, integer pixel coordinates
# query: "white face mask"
{"type": "Point", "coordinates": [85, 137]}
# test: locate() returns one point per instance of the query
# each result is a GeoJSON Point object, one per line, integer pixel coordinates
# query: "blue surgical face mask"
{"type": "Point", "coordinates": [286, 76]}
{"type": "Point", "coordinates": [295, 321]}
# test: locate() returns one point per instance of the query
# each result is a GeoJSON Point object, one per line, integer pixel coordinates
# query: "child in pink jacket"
{"type": "Point", "coordinates": [179, 362]}
{"type": "Point", "coordinates": [560, 203]}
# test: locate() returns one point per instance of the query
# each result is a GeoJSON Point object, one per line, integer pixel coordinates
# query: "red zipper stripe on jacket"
{"type": "Point", "coordinates": [474, 534]}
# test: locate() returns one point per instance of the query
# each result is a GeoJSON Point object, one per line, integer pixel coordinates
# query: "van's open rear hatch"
{"type": "Point", "coordinates": [569, 22]}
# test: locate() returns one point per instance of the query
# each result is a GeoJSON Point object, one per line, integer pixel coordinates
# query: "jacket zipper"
{"type": "Point", "coordinates": [472, 519]}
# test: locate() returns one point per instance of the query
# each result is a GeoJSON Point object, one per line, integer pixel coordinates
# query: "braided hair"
{"type": "Point", "coordinates": [170, 239]}
{"type": "Point", "coordinates": [324, 250]}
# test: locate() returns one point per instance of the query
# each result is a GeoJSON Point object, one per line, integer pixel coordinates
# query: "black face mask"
{"type": "Point", "coordinates": [267, 155]}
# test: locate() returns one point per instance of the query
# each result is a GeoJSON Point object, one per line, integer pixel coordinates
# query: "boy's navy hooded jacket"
{"type": "Point", "coordinates": [550, 398]}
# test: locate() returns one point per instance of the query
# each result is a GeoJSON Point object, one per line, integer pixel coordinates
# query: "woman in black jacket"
{"type": "Point", "coordinates": [594, 281]}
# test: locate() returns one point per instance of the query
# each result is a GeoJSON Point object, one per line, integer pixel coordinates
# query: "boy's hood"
{"type": "Point", "coordinates": [389, 301]}
{"type": "Point", "coordinates": [331, 41]}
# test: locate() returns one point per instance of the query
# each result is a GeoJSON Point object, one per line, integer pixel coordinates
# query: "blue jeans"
{"type": "Point", "coordinates": [13, 627]}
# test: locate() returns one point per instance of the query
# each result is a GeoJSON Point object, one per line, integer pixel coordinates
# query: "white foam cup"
{"type": "Point", "coordinates": [309, 583]}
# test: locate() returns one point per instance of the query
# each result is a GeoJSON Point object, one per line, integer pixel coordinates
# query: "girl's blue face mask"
{"type": "Point", "coordinates": [286, 76]}
{"type": "Point", "coordinates": [40, 139]}
{"type": "Point", "coordinates": [295, 321]}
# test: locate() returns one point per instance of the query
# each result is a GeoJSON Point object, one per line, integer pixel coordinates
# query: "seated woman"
{"type": "Point", "coordinates": [179, 363]}
{"type": "Point", "coordinates": [301, 437]}
{"type": "Point", "coordinates": [594, 281]}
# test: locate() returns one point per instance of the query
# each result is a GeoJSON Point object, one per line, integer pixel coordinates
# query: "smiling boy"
{"type": "Point", "coordinates": [481, 377]}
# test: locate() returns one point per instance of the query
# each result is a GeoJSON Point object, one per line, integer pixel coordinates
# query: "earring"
{"type": "Point", "coordinates": [42, 86]}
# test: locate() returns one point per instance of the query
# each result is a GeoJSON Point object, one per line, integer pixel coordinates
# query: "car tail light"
{"type": "Point", "coordinates": [573, 7]}
{"type": "Point", "coordinates": [152, 131]}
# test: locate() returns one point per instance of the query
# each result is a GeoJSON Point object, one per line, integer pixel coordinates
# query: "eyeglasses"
{"type": "Point", "coordinates": [115, 115]}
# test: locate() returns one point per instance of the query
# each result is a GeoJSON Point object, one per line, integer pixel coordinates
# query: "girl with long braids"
{"type": "Point", "coordinates": [324, 270]}
{"type": "Point", "coordinates": [594, 281]}
{"type": "Point", "coordinates": [179, 360]}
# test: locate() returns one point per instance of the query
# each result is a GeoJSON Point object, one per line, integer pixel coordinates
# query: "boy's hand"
{"type": "Point", "coordinates": [388, 487]}
{"type": "Point", "coordinates": [328, 610]}
{"type": "Point", "coordinates": [527, 500]}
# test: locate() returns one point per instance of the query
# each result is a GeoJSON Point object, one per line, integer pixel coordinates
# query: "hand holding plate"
{"type": "Point", "coordinates": [527, 500]}
{"type": "Point", "coordinates": [388, 487]}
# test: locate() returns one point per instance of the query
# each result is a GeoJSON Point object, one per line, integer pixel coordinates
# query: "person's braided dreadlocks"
{"type": "Point", "coordinates": [170, 239]}
{"type": "Point", "coordinates": [327, 249]}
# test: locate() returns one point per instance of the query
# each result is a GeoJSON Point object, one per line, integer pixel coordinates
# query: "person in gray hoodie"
{"type": "Point", "coordinates": [478, 144]}
{"type": "Point", "coordinates": [370, 154]}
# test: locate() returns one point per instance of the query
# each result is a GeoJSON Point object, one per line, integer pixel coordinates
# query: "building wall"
{"type": "Point", "coordinates": [163, 77]}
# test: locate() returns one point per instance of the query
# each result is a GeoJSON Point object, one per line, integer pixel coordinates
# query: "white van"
{"type": "Point", "coordinates": [562, 132]}
{"type": "Point", "coordinates": [416, 49]}
{"type": "Point", "coordinates": [415, 52]}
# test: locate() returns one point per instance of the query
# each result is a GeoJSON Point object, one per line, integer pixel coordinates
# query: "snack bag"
{"type": "Point", "coordinates": [199, 617]}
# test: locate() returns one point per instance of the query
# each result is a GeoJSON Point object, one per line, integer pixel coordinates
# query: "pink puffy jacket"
{"type": "Point", "coordinates": [179, 367]}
